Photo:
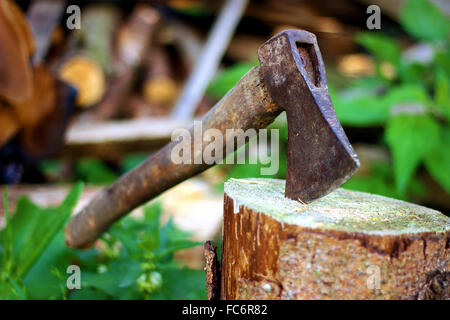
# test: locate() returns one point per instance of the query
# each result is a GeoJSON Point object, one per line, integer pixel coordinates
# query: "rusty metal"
{"type": "Point", "coordinates": [320, 158]}
{"type": "Point", "coordinates": [316, 139]}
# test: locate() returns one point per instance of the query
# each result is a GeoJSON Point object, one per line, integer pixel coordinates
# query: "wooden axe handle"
{"type": "Point", "coordinates": [247, 105]}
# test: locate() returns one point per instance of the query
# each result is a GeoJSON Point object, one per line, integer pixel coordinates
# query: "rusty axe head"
{"type": "Point", "coordinates": [320, 158]}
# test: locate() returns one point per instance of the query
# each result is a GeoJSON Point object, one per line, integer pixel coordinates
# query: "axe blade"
{"type": "Point", "coordinates": [320, 158]}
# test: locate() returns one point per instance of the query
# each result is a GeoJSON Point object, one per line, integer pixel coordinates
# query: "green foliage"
{"type": "Point", "coordinates": [47, 277]}
{"type": "Point", "coordinates": [442, 85]}
{"type": "Point", "coordinates": [95, 172]}
{"type": "Point", "coordinates": [227, 79]}
{"type": "Point", "coordinates": [406, 93]}
{"type": "Point", "coordinates": [382, 181]}
{"type": "Point", "coordinates": [360, 106]}
{"type": "Point", "coordinates": [411, 101]}
{"type": "Point", "coordinates": [135, 261]}
{"type": "Point", "coordinates": [89, 170]}
{"type": "Point", "coordinates": [424, 21]}
{"type": "Point", "coordinates": [382, 47]}
{"type": "Point", "coordinates": [437, 161]}
{"type": "Point", "coordinates": [410, 138]}
{"type": "Point", "coordinates": [131, 161]}
{"type": "Point", "coordinates": [412, 104]}
{"type": "Point", "coordinates": [248, 170]}
{"type": "Point", "coordinates": [26, 237]}
{"type": "Point", "coordinates": [51, 168]}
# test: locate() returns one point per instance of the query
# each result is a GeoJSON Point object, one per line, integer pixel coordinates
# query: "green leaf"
{"type": "Point", "coordinates": [442, 94]}
{"type": "Point", "coordinates": [442, 62]}
{"type": "Point", "coordinates": [373, 184]}
{"type": "Point", "coordinates": [145, 247]}
{"type": "Point", "coordinates": [410, 137]}
{"type": "Point", "coordinates": [424, 21]}
{"type": "Point", "coordinates": [378, 182]}
{"type": "Point", "coordinates": [172, 239]}
{"type": "Point", "coordinates": [382, 47]}
{"type": "Point", "coordinates": [41, 259]}
{"type": "Point", "coordinates": [7, 240]}
{"type": "Point", "coordinates": [95, 172]}
{"type": "Point", "coordinates": [407, 93]}
{"type": "Point", "coordinates": [437, 161]}
{"type": "Point", "coordinates": [361, 104]}
{"type": "Point", "coordinates": [119, 278]}
{"type": "Point", "coordinates": [227, 79]}
{"type": "Point", "coordinates": [364, 111]}
{"type": "Point", "coordinates": [151, 241]}
{"type": "Point", "coordinates": [192, 288]}
{"type": "Point", "coordinates": [415, 72]}
{"type": "Point", "coordinates": [57, 256]}
{"type": "Point", "coordinates": [11, 290]}
{"type": "Point", "coordinates": [130, 162]}
{"type": "Point", "coordinates": [381, 181]}
{"type": "Point", "coordinates": [34, 228]}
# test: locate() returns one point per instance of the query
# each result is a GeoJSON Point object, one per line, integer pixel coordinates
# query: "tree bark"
{"type": "Point", "coordinates": [212, 270]}
{"type": "Point", "coordinates": [346, 245]}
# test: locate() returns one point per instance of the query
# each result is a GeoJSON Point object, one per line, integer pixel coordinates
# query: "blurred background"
{"type": "Point", "coordinates": [87, 98]}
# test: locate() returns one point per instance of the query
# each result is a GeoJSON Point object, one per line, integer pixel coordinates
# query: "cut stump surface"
{"type": "Point", "coordinates": [346, 245]}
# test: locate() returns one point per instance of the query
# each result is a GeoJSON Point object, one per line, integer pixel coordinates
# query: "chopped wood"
{"type": "Point", "coordinates": [132, 43]}
{"type": "Point", "coordinates": [159, 86]}
{"type": "Point", "coordinates": [88, 59]}
{"type": "Point", "coordinates": [87, 77]}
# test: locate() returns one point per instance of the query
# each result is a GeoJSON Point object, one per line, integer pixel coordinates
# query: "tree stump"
{"type": "Point", "coordinates": [346, 245]}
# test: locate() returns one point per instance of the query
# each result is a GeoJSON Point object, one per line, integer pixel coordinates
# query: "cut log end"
{"type": "Point", "coordinates": [87, 77]}
{"type": "Point", "coordinates": [346, 245]}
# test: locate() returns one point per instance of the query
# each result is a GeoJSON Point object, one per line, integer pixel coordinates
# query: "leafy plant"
{"type": "Point", "coordinates": [424, 21]}
{"type": "Point", "coordinates": [411, 138]}
{"type": "Point", "coordinates": [134, 260]}
{"type": "Point", "coordinates": [90, 170]}
{"type": "Point", "coordinates": [137, 262]}
{"type": "Point", "coordinates": [95, 171]}
{"type": "Point", "coordinates": [411, 101]}
{"type": "Point", "coordinates": [25, 239]}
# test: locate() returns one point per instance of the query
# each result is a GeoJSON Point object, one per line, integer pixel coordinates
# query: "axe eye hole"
{"type": "Point", "coordinates": [309, 61]}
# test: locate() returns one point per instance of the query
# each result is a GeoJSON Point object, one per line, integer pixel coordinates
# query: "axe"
{"type": "Point", "coordinates": [291, 77]}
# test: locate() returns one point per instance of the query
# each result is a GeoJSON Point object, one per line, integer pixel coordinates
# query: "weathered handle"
{"type": "Point", "coordinates": [247, 105]}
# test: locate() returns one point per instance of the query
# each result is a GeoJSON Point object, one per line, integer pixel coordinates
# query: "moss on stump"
{"type": "Point", "coordinates": [346, 245]}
